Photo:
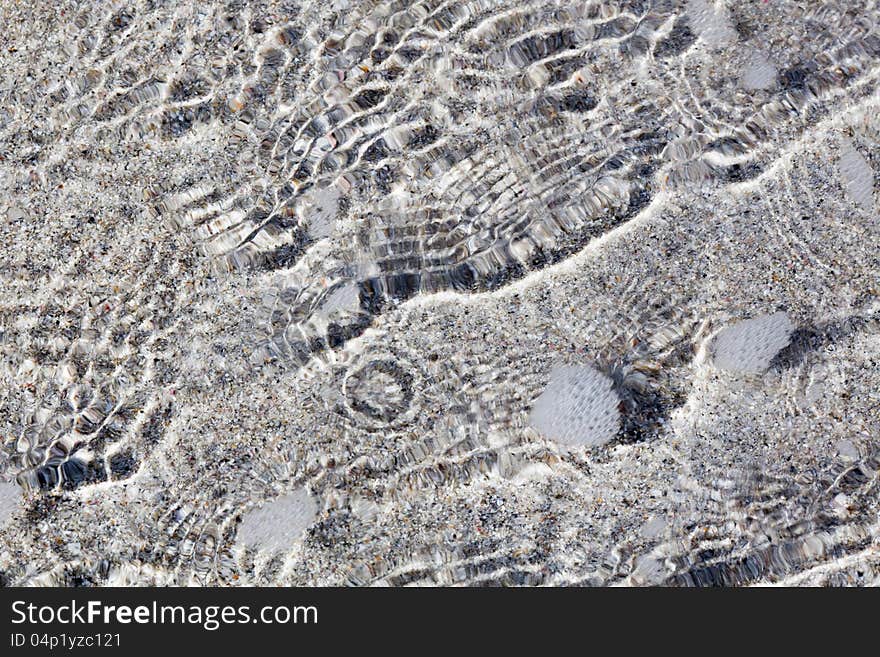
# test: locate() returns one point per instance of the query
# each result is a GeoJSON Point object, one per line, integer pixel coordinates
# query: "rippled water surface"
{"type": "Point", "coordinates": [481, 293]}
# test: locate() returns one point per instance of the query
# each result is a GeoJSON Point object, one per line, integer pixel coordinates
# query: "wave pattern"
{"type": "Point", "coordinates": [339, 247]}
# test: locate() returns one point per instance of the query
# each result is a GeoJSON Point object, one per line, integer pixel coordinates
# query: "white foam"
{"type": "Point", "coordinates": [847, 450]}
{"type": "Point", "coordinates": [16, 213]}
{"type": "Point", "coordinates": [749, 346]}
{"type": "Point", "coordinates": [278, 524]}
{"type": "Point", "coordinates": [758, 73]}
{"type": "Point", "coordinates": [578, 407]}
{"type": "Point", "coordinates": [654, 527]}
{"type": "Point", "coordinates": [711, 22]}
{"type": "Point", "coordinates": [10, 496]}
{"type": "Point", "coordinates": [858, 176]}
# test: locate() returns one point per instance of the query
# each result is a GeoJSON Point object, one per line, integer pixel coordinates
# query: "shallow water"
{"type": "Point", "coordinates": [340, 253]}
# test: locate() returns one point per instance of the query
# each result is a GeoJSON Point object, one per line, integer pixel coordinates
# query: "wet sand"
{"type": "Point", "coordinates": [452, 293]}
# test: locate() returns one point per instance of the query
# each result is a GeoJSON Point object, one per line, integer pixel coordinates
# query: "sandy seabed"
{"type": "Point", "coordinates": [435, 293]}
